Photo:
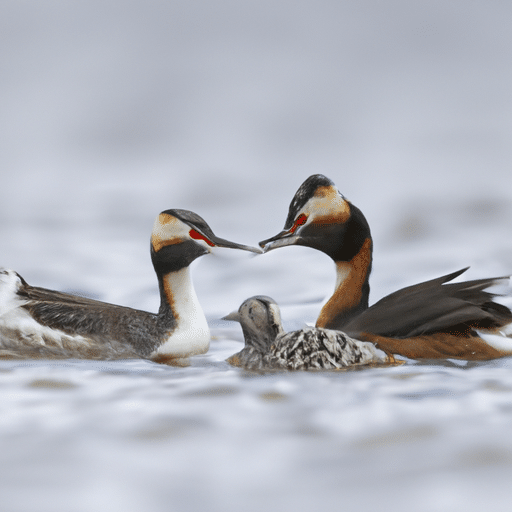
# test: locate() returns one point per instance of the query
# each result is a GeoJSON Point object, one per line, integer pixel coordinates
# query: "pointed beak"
{"type": "Point", "coordinates": [233, 317]}
{"type": "Point", "coordinates": [221, 242]}
{"type": "Point", "coordinates": [280, 240]}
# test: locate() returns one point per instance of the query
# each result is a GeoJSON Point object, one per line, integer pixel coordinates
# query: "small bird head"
{"type": "Point", "coordinates": [260, 319]}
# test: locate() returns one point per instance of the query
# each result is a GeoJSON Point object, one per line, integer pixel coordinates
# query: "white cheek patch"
{"type": "Point", "coordinates": [168, 230]}
{"type": "Point", "coordinates": [327, 206]}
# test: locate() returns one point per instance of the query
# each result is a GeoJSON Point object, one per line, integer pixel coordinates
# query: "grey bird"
{"type": "Point", "coordinates": [268, 347]}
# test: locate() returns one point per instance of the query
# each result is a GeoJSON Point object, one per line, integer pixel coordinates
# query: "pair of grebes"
{"type": "Point", "coordinates": [432, 320]}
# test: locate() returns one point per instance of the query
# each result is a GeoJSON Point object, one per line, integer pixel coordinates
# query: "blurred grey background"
{"type": "Point", "coordinates": [113, 111]}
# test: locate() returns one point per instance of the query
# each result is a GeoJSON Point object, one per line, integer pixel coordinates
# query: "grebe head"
{"type": "Point", "coordinates": [260, 319]}
{"type": "Point", "coordinates": [181, 236]}
{"type": "Point", "coordinates": [320, 217]}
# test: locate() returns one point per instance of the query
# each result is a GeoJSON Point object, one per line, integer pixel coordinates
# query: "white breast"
{"type": "Point", "coordinates": [192, 335]}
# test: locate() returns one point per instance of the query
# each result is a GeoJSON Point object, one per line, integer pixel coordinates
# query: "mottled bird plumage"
{"type": "Point", "coordinates": [268, 347]}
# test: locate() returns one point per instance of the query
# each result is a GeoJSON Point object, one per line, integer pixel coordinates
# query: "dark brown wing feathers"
{"type": "Point", "coordinates": [88, 317]}
{"type": "Point", "coordinates": [433, 306]}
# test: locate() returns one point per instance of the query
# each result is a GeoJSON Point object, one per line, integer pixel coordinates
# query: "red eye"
{"type": "Point", "coordinates": [301, 219]}
{"type": "Point", "coordinates": [197, 236]}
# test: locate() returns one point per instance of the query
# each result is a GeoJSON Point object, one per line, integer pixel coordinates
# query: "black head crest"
{"type": "Point", "coordinates": [192, 219]}
{"type": "Point", "coordinates": [302, 196]}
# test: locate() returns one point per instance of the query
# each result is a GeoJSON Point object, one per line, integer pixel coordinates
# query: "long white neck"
{"type": "Point", "coordinates": [191, 336]}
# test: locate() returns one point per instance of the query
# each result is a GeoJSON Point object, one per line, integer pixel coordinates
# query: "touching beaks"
{"type": "Point", "coordinates": [280, 240]}
{"type": "Point", "coordinates": [285, 237]}
{"type": "Point", "coordinates": [220, 242]}
{"type": "Point", "coordinates": [215, 241]}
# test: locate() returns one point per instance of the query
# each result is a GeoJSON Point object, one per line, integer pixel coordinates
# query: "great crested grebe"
{"type": "Point", "coordinates": [428, 320]}
{"type": "Point", "coordinates": [40, 323]}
